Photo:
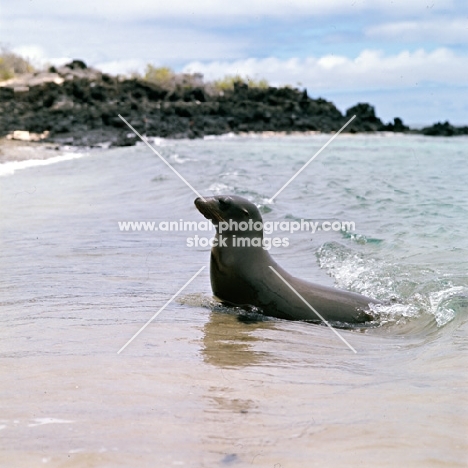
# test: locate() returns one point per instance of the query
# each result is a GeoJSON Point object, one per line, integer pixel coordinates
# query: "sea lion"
{"type": "Point", "coordinates": [242, 276]}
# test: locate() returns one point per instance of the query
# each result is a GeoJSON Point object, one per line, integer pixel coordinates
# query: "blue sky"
{"type": "Point", "coordinates": [409, 58]}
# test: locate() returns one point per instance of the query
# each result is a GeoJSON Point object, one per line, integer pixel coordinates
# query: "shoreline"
{"type": "Point", "coordinates": [20, 151]}
{"type": "Point", "coordinates": [78, 106]}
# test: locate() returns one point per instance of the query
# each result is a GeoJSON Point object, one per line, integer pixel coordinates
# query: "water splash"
{"type": "Point", "coordinates": [353, 272]}
{"type": "Point", "coordinates": [407, 293]}
{"type": "Point", "coordinates": [442, 303]}
{"type": "Point", "coordinates": [197, 300]}
{"type": "Point", "coordinates": [394, 313]}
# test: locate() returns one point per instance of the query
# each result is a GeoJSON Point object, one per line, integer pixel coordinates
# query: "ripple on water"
{"type": "Point", "coordinates": [408, 293]}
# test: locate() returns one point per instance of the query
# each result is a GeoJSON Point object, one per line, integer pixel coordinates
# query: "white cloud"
{"type": "Point", "coordinates": [371, 69]}
{"type": "Point", "coordinates": [444, 31]}
{"type": "Point", "coordinates": [142, 9]}
{"type": "Point", "coordinates": [98, 45]}
{"type": "Point", "coordinates": [37, 55]}
{"type": "Point", "coordinates": [32, 52]}
{"type": "Point", "coordinates": [116, 67]}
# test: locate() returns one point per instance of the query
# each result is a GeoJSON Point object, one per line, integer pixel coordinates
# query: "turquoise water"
{"type": "Point", "coordinates": [198, 387]}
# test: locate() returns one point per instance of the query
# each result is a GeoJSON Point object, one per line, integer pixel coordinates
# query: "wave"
{"type": "Point", "coordinates": [9, 168]}
{"type": "Point", "coordinates": [408, 292]}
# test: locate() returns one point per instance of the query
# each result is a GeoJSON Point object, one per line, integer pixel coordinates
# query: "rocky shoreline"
{"type": "Point", "coordinates": [79, 106]}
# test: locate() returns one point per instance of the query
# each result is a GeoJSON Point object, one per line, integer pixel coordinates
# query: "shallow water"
{"type": "Point", "coordinates": [199, 387]}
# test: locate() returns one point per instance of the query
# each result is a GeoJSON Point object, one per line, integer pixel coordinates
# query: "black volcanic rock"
{"type": "Point", "coordinates": [77, 65]}
{"type": "Point", "coordinates": [397, 126]}
{"type": "Point", "coordinates": [365, 120]}
{"type": "Point", "coordinates": [79, 105]}
{"type": "Point", "coordinates": [444, 129]}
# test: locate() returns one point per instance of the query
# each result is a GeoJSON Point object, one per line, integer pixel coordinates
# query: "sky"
{"type": "Point", "coordinates": [408, 58]}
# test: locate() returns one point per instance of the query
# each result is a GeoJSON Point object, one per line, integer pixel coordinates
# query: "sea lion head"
{"type": "Point", "coordinates": [229, 213]}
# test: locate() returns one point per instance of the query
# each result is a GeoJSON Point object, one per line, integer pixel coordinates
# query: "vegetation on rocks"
{"type": "Point", "coordinates": [78, 105]}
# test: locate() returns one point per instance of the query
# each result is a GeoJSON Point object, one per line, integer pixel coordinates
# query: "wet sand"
{"type": "Point", "coordinates": [18, 150]}
{"type": "Point", "coordinates": [203, 389]}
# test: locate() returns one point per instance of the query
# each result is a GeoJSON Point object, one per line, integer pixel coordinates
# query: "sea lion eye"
{"type": "Point", "coordinates": [223, 204]}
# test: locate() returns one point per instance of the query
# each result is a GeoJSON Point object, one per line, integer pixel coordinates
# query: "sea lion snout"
{"type": "Point", "coordinates": [201, 205]}
{"type": "Point", "coordinates": [198, 201]}
{"type": "Point", "coordinates": [228, 208]}
{"type": "Point", "coordinates": [208, 210]}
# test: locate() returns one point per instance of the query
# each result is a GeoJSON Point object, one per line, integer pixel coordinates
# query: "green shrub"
{"type": "Point", "coordinates": [161, 76]}
{"type": "Point", "coordinates": [227, 83]}
{"type": "Point", "coordinates": [12, 64]}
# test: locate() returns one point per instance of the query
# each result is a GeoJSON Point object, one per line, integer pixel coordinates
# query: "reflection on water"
{"type": "Point", "coordinates": [227, 341]}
